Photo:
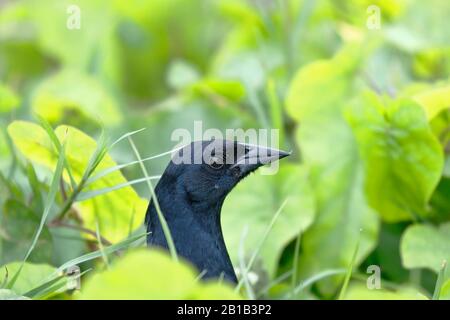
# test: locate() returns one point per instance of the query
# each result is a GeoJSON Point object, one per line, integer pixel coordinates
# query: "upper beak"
{"type": "Point", "coordinates": [256, 156]}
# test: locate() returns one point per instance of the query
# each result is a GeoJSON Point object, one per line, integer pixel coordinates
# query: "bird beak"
{"type": "Point", "coordinates": [257, 156]}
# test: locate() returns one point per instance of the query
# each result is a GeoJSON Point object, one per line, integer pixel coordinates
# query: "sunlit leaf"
{"type": "Point", "coordinates": [316, 99]}
{"type": "Point", "coordinates": [434, 100]}
{"type": "Point", "coordinates": [113, 210]}
{"type": "Point", "coordinates": [31, 275]}
{"type": "Point", "coordinates": [403, 160]}
{"type": "Point", "coordinates": [425, 246]}
{"type": "Point", "coordinates": [8, 99]}
{"type": "Point", "coordinates": [57, 97]}
{"type": "Point", "coordinates": [445, 291]}
{"type": "Point", "coordinates": [166, 279]}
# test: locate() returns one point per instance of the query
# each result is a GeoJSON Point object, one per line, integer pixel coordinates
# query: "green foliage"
{"type": "Point", "coordinates": [6, 294]}
{"type": "Point", "coordinates": [19, 224]}
{"type": "Point", "coordinates": [8, 99]}
{"type": "Point", "coordinates": [119, 208]}
{"type": "Point", "coordinates": [445, 291]}
{"type": "Point", "coordinates": [32, 275]}
{"type": "Point", "coordinates": [365, 111]}
{"type": "Point", "coordinates": [425, 246]}
{"type": "Point", "coordinates": [434, 101]}
{"type": "Point", "coordinates": [253, 205]}
{"type": "Point", "coordinates": [361, 292]}
{"type": "Point", "coordinates": [150, 274]}
{"type": "Point", "coordinates": [58, 100]}
{"type": "Point", "coordinates": [329, 149]}
{"type": "Point", "coordinates": [402, 157]}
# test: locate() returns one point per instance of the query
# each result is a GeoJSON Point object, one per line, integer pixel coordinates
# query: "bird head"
{"type": "Point", "coordinates": [208, 170]}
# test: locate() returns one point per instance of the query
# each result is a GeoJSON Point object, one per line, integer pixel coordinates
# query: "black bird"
{"type": "Point", "coordinates": [191, 192]}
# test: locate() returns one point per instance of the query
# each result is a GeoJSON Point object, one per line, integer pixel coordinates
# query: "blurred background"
{"type": "Point", "coordinates": [358, 89]}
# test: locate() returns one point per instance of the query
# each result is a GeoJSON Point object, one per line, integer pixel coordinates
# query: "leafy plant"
{"type": "Point", "coordinates": [365, 111]}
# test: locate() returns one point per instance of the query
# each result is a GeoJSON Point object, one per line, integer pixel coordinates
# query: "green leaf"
{"type": "Point", "coordinates": [361, 292]}
{"type": "Point", "coordinates": [254, 202]}
{"type": "Point", "coordinates": [57, 98]}
{"type": "Point", "coordinates": [434, 100]}
{"type": "Point", "coordinates": [445, 291]}
{"type": "Point", "coordinates": [425, 246]}
{"type": "Point", "coordinates": [49, 202]}
{"type": "Point", "coordinates": [114, 209]}
{"type": "Point", "coordinates": [402, 156]}
{"type": "Point", "coordinates": [8, 99]}
{"type": "Point", "coordinates": [31, 275]}
{"type": "Point", "coordinates": [349, 272]}
{"type": "Point", "coordinates": [439, 205]}
{"type": "Point", "coordinates": [154, 198]}
{"type": "Point", "coordinates": [181, 74]}
{"type": "Point", "coordinates": [6, 294]}
{"type": "Point", "coordinates": [95, 193]}
{"type": "Point", "coordinates": [68, 46]}
{"type": "Point", "coordinates": [165, 279]}
{"type": "Point", "coordinates": [219, 89]}
{"type": "Point", "coordinates": [334, 77]}
{"type": "Point", "coordinates": [19, 225]}
{"type": "Point", "coordinates": [96, 254]}
{"type": "Point", "coordinates": [439, 281]}
{"type": "Point", "coordinates": [316, 100]}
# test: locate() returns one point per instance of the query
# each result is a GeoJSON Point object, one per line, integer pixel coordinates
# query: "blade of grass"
{"type": "Point", "coordinates": [350, 269]}
{"type": "Point", "coordinates": [48, 128]}
{"type": "Point", "coordinates": [200, 276]}
{"type": "Point", "coordinates": [274, 282]}
{"type": "Point", "coordinates": [95, 193]}
{"type": "Point", "coordinates": [10, 145]}
{"type": "Point", "coordinates": [221, 277]}
{"type": "Point", "coordinates": [49, 291]}
{"type": "Point", "coordinates": [88, 257]}
{"type": "Point", "coordinates": [263, 239]}
{"type": "Point", "coordinates": [94, 161]}
{"type": "Point", "coordinates": [244, 272]}
{"type": "Point", "coordinates": [107, 171]}
{"type": "Point", "coordinates": [295, 262]}
{"type": "Point", "coordinates": [440, 281]}
{"type": "Point", "coordinates": [313, 279]}
{"type": "Point", "coordinates": [100, 244]}
{"type": "Point", "coordinates": [43, 287]}
{"type": "Point", "coordinates": [124, 136]}
{"type": "Point", "coordinates": [97, 254]}
{"type": "Point", "coordinates": [5, 279]}
{"type": "Point", "coordinates": [162, 220]}
{"type": "Point", "coordinates": [48, 205]}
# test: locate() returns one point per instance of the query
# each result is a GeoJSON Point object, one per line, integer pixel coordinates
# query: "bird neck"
{"type": "Point", "coordinates": [196, 231]}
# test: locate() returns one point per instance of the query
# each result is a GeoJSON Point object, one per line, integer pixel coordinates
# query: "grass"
{"type": "Point", "coordinates": [161, 218]}
{"type": "Point", "coordinates": [260, 244]}
{"type": "Point", "coordinates": [440, 281]}
{"type": "Point", "coordinates": [48, 206]}
{"type": "Point", "coordinates": [55, 282]}
{"type": "Point", "coordinates": [350, 269]}
{"type": "Point", "coordinates": [243, 269]}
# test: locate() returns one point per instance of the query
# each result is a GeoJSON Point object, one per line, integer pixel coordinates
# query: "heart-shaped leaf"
{"type": "Point", "coordinates": [165, 279]}
{"type": "Point", "coordinates": [254, 202]}
{"type": "Point", "coordinates": [115, 211]}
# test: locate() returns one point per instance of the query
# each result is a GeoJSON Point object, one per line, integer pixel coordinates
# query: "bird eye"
{"type": "Point", "coordinates": [216, 163]}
